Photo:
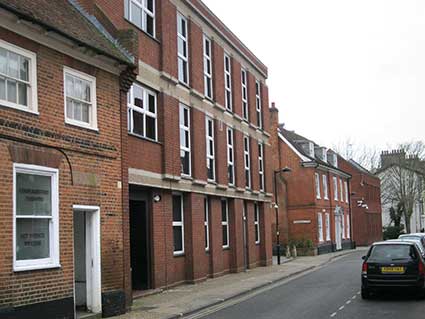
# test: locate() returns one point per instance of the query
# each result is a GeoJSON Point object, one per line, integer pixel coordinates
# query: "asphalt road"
{"type": "Point", "coordinates": [332, 291]}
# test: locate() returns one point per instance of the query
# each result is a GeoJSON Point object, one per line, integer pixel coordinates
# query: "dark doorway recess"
{"type": "Point", "coordinates": [140, 245]}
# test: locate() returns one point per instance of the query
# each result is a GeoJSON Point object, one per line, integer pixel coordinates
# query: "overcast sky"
{"type": "Point", "coordinates": [339, 69]}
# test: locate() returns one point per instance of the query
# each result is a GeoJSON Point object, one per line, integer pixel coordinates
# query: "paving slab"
{"type": "Point", "coordinates": [190, 298]}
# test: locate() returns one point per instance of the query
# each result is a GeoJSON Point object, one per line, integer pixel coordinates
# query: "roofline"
{"type": "Point", "coordinates": [298, 153]}
{"type": "Point", "coordinates": [256, 64]}
{"type": "Point", "coordinates": [61, 33]}
{"type": "Point", "coordinates": [332, 169]}
{"type": "Point", "coordinates": [380, 170]}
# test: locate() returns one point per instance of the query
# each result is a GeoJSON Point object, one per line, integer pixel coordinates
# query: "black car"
{"type": "Point", "coordinates": [393, 264]}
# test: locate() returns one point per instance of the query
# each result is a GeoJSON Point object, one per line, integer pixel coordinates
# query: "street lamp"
{"type": "Point", "coordinates": [276, 207]}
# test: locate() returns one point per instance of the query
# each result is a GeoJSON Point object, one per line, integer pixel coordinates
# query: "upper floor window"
{"type": "Point", "coordinates": [182, 49]}
{"type": "Point", "coordinates": [142, 112]}
{"type": "Point", "coordinates": [341, 190]}
{"type": "Point", "coordinates": [185, 152]}
{"type": "Point", "coordinates": [230, 157]}
{"type": "Point", "coordinates": [228, 82]}
{"type": "Point", "coordinates": [258, 104]}
{"type": "Point", "coordinates": [335, 180]}
{"type": "Point", "coordinates": [247, 162]}
{"type": "Point", "coordinates": [18, 80]}
{"type": "Point", "coordinates": [80, 99]}
{"type": "Point", "coordinates": [209, 130]}
{"type": "Point", "coordinates": [346, 191]}
{"type": "Point", "coordinates": [208, 89]}
{"type": "Point", "coordinates": [317, 183]}
{"type": "Point", "coordinates": [244, 82]}
{"type": "Point", "coordinates": [36, 213]}
{"type": "Point", "coordinates": [325, 187]}
{"type": "Point", "coordinates": [142, 14]}
{"type": "Point", "coordinates": [261, 165]}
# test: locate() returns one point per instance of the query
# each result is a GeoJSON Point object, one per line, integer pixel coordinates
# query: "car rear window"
{"type": "Point", "coordinates": [388, 253]}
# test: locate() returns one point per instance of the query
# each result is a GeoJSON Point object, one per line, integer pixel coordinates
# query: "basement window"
{"type": "Point", "coordinates": [18, 80]}
{"type": "Point", "coordinates": [36, 217]}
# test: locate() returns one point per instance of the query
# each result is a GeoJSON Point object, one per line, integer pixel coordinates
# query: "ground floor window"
{"type": "Point", "coordinates": [178, 224]}
{"type": "Point", "coordinates": [206, 224]}
{"type": "Point", "coordinates": [328, 226]}
{"type": "Point", "coordinates": [257, 223]}
{"type": "Point", "coordinates": [36, 224]}
{"type": "Point", "coordinates": [319, 227]}
{"type": "Point", "coordinates": [348, 226]}
{"type": "Point", "coordinates": [225, 222]}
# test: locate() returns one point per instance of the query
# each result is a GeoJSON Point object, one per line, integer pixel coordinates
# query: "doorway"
{"type": "Point", "coordinates": [87, 276]}
{"type": "Point", "coordinates": [140, 245]}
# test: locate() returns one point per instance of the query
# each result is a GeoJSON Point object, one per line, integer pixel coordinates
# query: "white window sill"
{"type": "Point", "coordinates": [257, 243]}
{"type": "Point", "coordinates": [82, 125]}
{"type": "Point", "coordinates": [178, 253]}
{"type": "Point", "coordinates": [18, 107]}
{"type": "Point", "coordinates": [17, 268]}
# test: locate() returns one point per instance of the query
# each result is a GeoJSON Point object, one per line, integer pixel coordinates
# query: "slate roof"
{"type": "Point", "coordinates": [65, 17]}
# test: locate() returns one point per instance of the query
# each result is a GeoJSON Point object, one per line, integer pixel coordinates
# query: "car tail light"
{"type": "Point", "coordinates": [364, 268]}
{"type": "Point", "coordinates": [421, 269]}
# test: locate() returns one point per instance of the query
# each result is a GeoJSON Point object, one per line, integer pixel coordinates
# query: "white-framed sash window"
{"type": "Point", "coordinates": [317, 184]}
{"type": "Point", "coordinates": [320, 227]}
{"type": "Point", "coordinates": [230, 157]}
{"type": "Point", "coordinates": [178, 224]}
{"type": "Point", "coordinates": [142, 112]}
{"type": "Point", "coordinates": [343, 225]}
{"type": "Point", "coordinates": [228, 82]}
{"type": "Point", "coordinates": [207, 223]}
{"type": "Point", "coordinates": [261, 165]}
{"type": "Point", "coordinates": [225, 222]}
{"type": "Point", "coordinates": [142, 14]}
{"type": "Point", "coordinates": [346, 191]}
{"type": "Point", "coordinates": [335, 182]}
{"type": "Point", "coordinates": [182, 49]}
{"type": "Point", "coordinates": [208, 80]}
{"type": "Point", "coordinates": [325, 187]}
{"type": "Point", "coordinates": [328, 226]}
{"type": "Point", "coordinates": [80, 99]}
{"type": "Point", "coordinates": [348, 226]}
{"type": "Point", "coordinates": [258, 104]}
{"type": "Point", "coordinates": [18, 78]}
{"type": "Point", "coordinates": [257, 222]}
{"type": "Point", "coordinates": [244, 82]}
{"type": "Point", "coordinates": [341, 190]}
{"type": "Point", "coordinates": [209, 132]}
{"type": "Point", "coordinates": [36, 217]}
{"type": "Point", "coordinates": [247, 161]}
{"type": "Point", "coordinates": [185, 143]}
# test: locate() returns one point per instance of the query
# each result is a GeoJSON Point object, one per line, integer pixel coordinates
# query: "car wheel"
{"type": "Point", "coordinates": [365, 294]}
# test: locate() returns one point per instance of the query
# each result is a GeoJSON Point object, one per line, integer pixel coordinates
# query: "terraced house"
{"type": "Point", "coordinates": [199, 187]}
{"type": "Point", "coordinates": [63, 91]}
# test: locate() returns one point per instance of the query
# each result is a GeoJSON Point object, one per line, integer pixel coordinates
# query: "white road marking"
{"type": "Point", "coordinates": [342, 307]}
{"type": "Point", "coordinates": [354, 297]}
{"type": "Point", "coordinates": [348, 302]}
{"type": "Point", "coordinates": [333, 315]}
{"type": "Point", "coordinates": [358, 293]}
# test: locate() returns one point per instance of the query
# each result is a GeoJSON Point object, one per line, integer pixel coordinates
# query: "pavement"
{"type": "Point", "coordinates": [189, 299]}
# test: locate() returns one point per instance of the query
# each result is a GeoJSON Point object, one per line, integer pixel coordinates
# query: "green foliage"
{"type": "Point", "coordinates": [301, 243]}
{"type": "Point", "coordinates": [392, 232]}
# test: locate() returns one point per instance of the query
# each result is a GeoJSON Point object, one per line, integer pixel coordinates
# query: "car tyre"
{"type": "Point", "coordinates": [365, 294]}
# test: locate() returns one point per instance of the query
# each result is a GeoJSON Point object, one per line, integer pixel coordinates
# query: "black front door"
{"type": "Point", "coordinates": [139, 245]}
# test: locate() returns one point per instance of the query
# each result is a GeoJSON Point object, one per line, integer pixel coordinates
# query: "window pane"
{"type": "Point", "coordinates": [177, 208]}
{"type": "Point", "coordinates": [13, 69]}
{"type": "Point", "coordinates": [138, 96]}
{"type": "Point", "coordinates": [178, 240]}
{"type": "Point", "coordinates": [149, 4]}
{"type": "Point", "coordinates": [149, 25]}
{"type": "Point", "coordinates": [210, 169]}
{"type": "Point", "coordinates": [257, 237]}
{"type": "Point", "coordinates": [69, 85]}
{"type": "Point", "coordinates": [33, 195]}
{"type": "Point", "coordinates": [22, 94]}
{"type": "Point", "coordinates": [138, 123]}
{"type": "Point", "coordinates": [32, 238]}
{"type": "Point", "coordinates": [151, 103]}
{"type": "Point", "coordinates": [225, 239]}
{"type": "Point", "coordinates": [185, 162]}
{"type": "Point", "coordinates": [181, 46]}
{"type": "Point", "coordinates": [11, 90]}
{"type": "Point", "coordinates": [24, 69]}
{"type": "Point", "coordinates": [136, 15]}
{"type": "Point", "coordinates": [150, 127]}
{"type": "Point", "coordinates": [2, 89]}
{"type": "Point", "coordinates": [85, 113]}
{"type": "Point", "coordinates": [77, 111]}
{"type": "Point", "coordinates": [223, 211]}
{"type": "Point", "coordinates": [3, 63]}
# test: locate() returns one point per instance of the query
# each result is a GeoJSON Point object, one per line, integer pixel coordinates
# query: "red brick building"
{"type": "Point", "coordinates": [365, 203]}
{"type": "Point", "coordinates": [198, 145]}
{"type": "Point", "coordinates": [314, 198]}
{"type": "Point", "coordinates": [63, 91]}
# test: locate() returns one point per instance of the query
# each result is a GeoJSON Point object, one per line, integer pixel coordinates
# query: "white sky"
{"type": "Point", "coordinates": [339, 69]}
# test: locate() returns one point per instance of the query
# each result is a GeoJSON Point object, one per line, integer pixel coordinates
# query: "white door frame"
{"type": "Point", "coordinates": [93, 249]}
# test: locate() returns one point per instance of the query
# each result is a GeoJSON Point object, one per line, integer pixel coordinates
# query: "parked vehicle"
{"type": "Point", "coordinates": [417, 236]}
{"type": "Point", "coordinates": [393, 264]}
{"type": "Point", "coordinates": [415, 240]}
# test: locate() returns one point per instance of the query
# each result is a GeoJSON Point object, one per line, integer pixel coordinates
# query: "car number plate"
{"type": "Point", "coordinates": [392, 270]}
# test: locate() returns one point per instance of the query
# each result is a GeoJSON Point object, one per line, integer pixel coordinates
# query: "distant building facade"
{"type": "Point", "coordinates": [365, 203]}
